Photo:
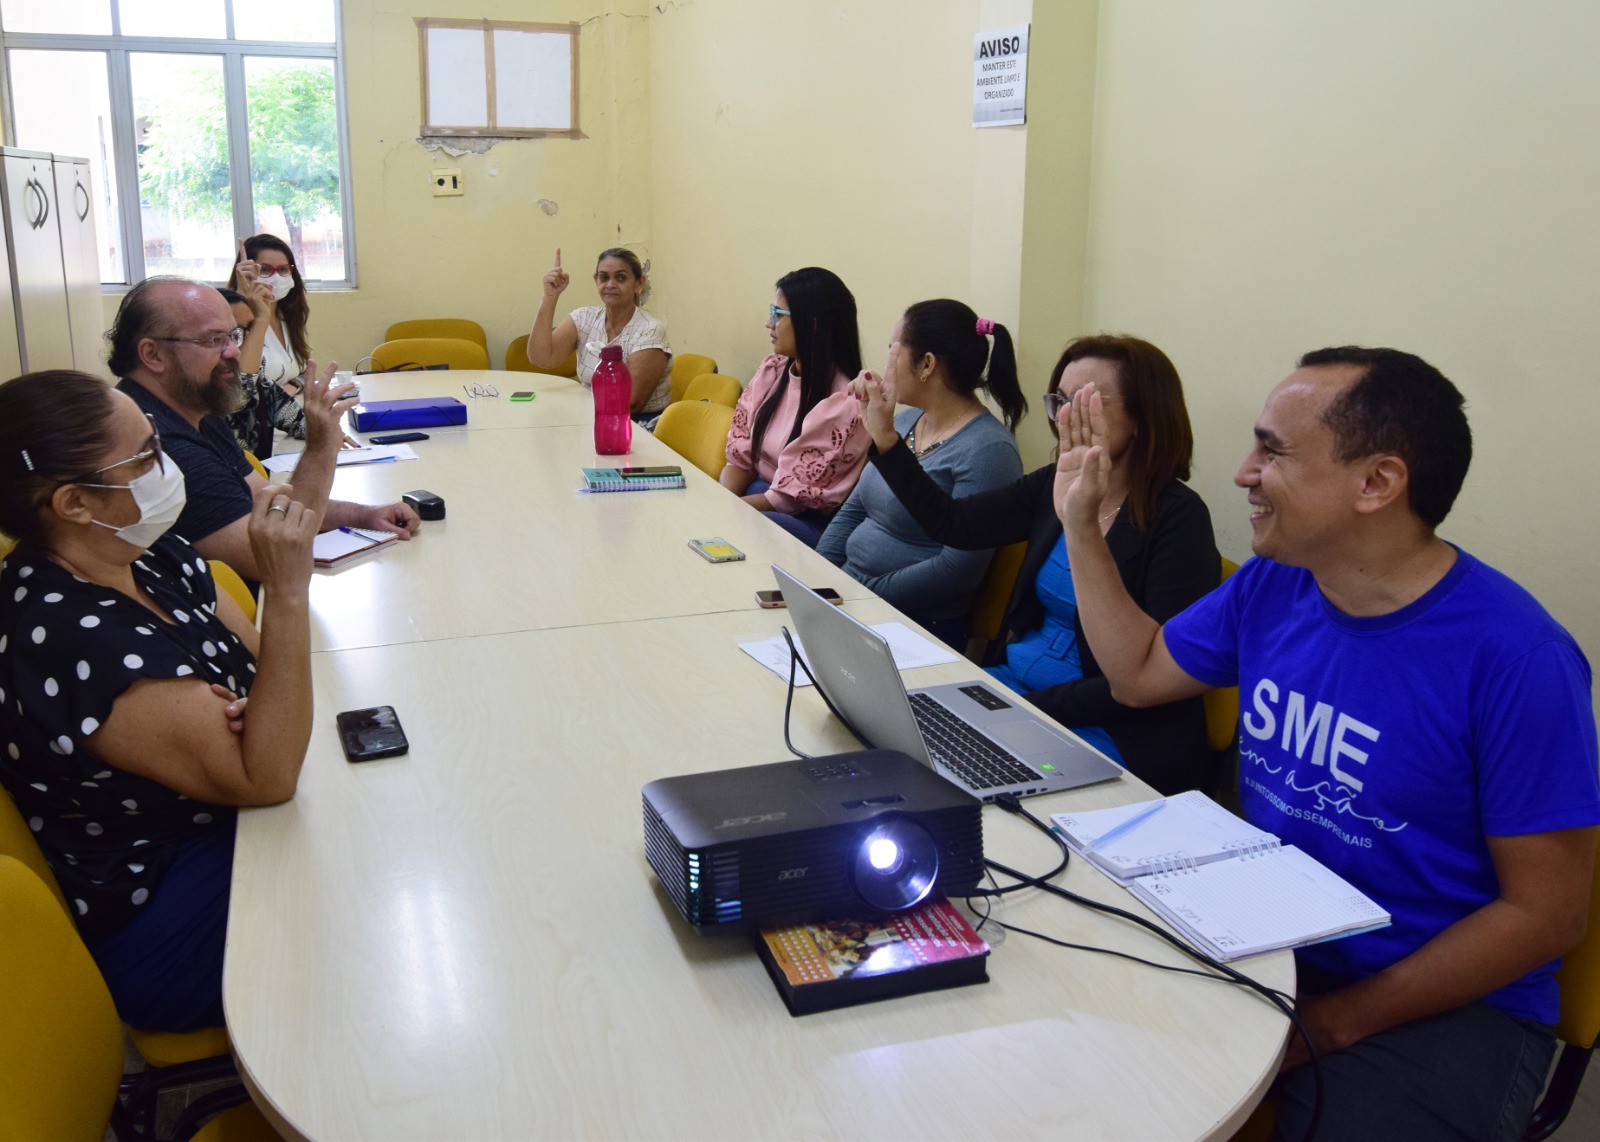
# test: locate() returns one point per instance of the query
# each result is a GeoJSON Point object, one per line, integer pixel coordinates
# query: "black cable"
{"type": "Point", "coordinates": [796, 660]}
{"type": "Point", "coordinates": [1278, 999]}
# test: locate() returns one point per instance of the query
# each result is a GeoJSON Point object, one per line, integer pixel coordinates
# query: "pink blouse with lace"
{"type": "Point", "coordinates": [817, 469]}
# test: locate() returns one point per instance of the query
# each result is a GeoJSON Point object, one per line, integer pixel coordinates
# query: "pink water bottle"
{"type": "Point", "coordinates": [613, 393]}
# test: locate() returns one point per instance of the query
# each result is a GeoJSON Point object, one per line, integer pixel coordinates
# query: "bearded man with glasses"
{"type": "Point", "coordinates": [175, 345]}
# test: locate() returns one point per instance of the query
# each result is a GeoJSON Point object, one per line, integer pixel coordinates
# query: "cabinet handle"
{"type": "Point", "coordinates": [79, 188]}
{"type": "Point", "coordinates": [43, 200]}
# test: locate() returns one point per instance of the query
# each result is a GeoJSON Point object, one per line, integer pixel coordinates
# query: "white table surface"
{"type": "Point", "coordinates": [521, 549]}
{"type": "Point", "coordinates": [467, 943]}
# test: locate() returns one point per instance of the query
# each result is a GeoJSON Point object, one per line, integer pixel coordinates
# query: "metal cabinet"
{"type": "Point", "coordinates": [54, 278]}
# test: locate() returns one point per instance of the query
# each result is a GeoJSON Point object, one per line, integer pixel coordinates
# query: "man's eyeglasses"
{"type": "Point", "coordinates": [214, 342]}
{"type": "Point", "coordinates": [773, 313]}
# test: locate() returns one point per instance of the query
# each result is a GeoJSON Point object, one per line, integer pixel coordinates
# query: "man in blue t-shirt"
{"type": "Point", "coordinates": [1409, 716]}
{"type": "Point", "coordinates": [175, 344]}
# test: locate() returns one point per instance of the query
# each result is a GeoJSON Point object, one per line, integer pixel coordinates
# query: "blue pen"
{"type": "Point", "coordinates": [1118, 830]}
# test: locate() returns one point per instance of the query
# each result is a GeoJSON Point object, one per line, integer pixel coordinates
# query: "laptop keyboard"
{"type": "Point", "coordinates": [973, 757]}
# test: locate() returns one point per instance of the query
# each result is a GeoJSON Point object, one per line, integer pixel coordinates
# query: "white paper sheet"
{"type": "Point", "coordinates": [284, 462]}
{"type": "Point", "coordinates": [910, 651]}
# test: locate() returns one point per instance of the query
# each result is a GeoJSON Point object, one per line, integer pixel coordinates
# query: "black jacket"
{"type": "Point", "coordinates": [1165, 568]}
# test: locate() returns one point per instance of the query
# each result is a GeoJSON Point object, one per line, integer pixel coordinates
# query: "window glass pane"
{"type": "Point", "coordinates": [189, 19]}
{"type": "Point", "coordinates": [294, 160]}
{"type": "Point", "coordinates": [62, 104]}
{"type": "Point", "coordinates": [186, 202]}
{"type": "Point", "coordinates": [84, 17]}
{"type": "Point", "coordinates": [308, 20]}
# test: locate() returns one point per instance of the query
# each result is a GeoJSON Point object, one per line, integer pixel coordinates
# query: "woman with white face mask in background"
{"type": "Point", "coordinates": [123, 683]}
{"type": "Point", "coordinates": [283, 310]}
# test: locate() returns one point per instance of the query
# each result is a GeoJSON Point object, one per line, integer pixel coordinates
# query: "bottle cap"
{"type": "Point", "coordinates": [611, 352]}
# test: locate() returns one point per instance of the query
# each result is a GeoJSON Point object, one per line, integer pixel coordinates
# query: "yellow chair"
{"type": "Point", "coordinates": [1222, 706]}
{"type": "Point", "coordinates": [61, 1042]}
{"type": "Point", "coordinates": [160, 1049]}
{"type": "Point", "coordinates": [697, 431]}
{"type": "Point", "coordinates": [450, 351]}
{"type": "Point", "coordinates": [994, 592]}
{"type": "Point", "coordinates": [7, 543]}
{"type": "Point", "coordinates": [517, 361]}
{"type": "Point", "coordinates": [259, 468]}
{"type": "Point", "coordinates": [16, 841]}
{"type": "Point", "coordinates": [227, 579]}
{"type": "Point", "coordinates": [718, 388]}
{"type": "Point", "coordinates": [457, 327]}
{"type": "Point", "coordinates": [685, 368]}
{"type": "Point", "coordinates": [1577, 1028]}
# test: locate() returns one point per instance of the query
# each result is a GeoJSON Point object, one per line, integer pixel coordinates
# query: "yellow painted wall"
{"type": "Point", "coordinates": [1268, 178]}
{"type": "Point", "coordinates": [839, 134]}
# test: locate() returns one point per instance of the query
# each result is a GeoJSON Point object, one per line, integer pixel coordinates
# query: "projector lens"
{"type": "Point", "coordinates": [896, 864]}
{"type": "Point", "coordinates": [883, 853]}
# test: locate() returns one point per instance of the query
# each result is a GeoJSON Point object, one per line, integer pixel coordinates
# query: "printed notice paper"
{"type": "Point", "coordinates": [1000, 77]}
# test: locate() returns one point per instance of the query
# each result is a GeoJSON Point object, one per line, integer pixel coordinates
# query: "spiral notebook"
{"type": "Point", "coordinates": [1230, 889]}
{"type": "Point", "coordinates": [622, 480]}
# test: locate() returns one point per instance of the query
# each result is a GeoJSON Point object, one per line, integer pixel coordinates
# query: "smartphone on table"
{"type": "Point", "coordinates": [716, 550]}
{"type": "Point", "coordinates": [771, 600]}
{"type": "Point", "coordinates": [399, 437]}
{"type": "Point", "coordinates": [371, 733]}
{"type": "Point", "coordinates": [522, 396]}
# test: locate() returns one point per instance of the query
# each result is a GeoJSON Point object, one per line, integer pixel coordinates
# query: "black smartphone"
{"type": "Point", "coordinates": [663, 470]}
{"type": "Point", "coordinates": [770, 600]}
{"type": "Point", "coordinates": [424, 503]}
{"type": "Point", "coordinates": [522, 396]}
{"type": "Point", "coordinates": [399, 437]}
{"type": "Point", "coordinates": [371, 733]}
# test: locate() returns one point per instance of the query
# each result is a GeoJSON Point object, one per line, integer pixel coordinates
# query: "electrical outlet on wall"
{"type": "Point", "coordinates": [447, 180]}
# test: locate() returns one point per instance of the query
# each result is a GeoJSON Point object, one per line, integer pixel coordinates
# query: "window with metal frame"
{"type": "Point", "coordinates": [203, 121]}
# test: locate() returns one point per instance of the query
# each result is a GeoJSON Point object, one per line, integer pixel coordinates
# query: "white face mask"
{"type": "Point", "coordinates": [282, 286]}
{"type": "Point", "coordinates": [159, 495]}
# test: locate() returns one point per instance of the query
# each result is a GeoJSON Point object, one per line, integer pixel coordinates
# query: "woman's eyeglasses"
{"type": "Point", "coordinates": [773, 313]}
{"type": "Point", "coordinates": [1054, 402]}
{"type": "Point", "coordinates": [267, 271]}
{"type": "Point", "coordinates": [152, 448]}
{"type": "Point", "coordinates": [480, 390]}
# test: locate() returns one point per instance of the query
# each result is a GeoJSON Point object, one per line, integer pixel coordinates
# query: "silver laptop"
{"type": "Point", "coordinates": [965, 731]}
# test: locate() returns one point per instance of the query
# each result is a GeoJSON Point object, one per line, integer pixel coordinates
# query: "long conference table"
{"type": "Point", "coordinates": [466, 942]}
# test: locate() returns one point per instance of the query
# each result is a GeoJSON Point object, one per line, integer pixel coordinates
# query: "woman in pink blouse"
{"type": "Point", "coordinates": [796, 446]}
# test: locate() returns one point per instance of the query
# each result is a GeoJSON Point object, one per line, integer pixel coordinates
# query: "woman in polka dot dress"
{"type": "Point", "coordinates": [124, 676]}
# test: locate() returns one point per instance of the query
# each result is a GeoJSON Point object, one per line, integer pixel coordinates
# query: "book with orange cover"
{"type": "Point", "coordinates": [837, 963]}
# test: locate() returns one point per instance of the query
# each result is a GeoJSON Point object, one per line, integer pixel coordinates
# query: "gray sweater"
{"type": "Point", "coordinates": [877, 542]}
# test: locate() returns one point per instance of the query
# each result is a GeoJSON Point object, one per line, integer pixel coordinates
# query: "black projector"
{"type": "Point", "coordinates": [805, 840]}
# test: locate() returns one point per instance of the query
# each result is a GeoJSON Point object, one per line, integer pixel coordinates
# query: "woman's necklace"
{"type": "Point", "coordinates": [911, 435]}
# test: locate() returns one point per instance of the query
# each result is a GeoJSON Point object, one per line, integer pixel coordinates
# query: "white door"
{"type": "Point", "coordinates": [80, 265]}
{"type": "Point", "coordinates": [44, 329]}
{"type": "Point", "coordinates": [10, 354]}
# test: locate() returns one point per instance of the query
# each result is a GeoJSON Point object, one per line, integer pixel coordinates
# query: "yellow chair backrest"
{"type": "Point", "coordinates": [994, 592]}
{"type": "Point", "coordinates": [227, 579]}
{"type": "Point", "coordinates": [452, 351]}
{"type": "Point", "coordinates": [457, 327]}
{"type": "Point", "coordinates": [718, 388]}
{"type": "Point", "coordinates": [517, 361]}
{"type": "Point", "coordinates": [1222, 706]}
{"type": "Point", "coordinates": [7, 543]}
{"type": "Point", "coordinates": [697, 431]}
{"type": "Point", "coordinates": [685, 368]}
{"type": "Point", "coordinates": [255, 464]}
{"type": "Point", "coordinates": [16, 841]}
{"type": "Point", "coordinates": [60, 1040]}
{"type": "Point", "coordinates": [1579, 978]}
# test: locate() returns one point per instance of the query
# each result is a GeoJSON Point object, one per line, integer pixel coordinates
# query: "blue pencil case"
{"type": "Point", "coordinates": [419, 412]}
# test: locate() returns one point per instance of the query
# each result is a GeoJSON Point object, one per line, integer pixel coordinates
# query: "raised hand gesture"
{"type": "Point", "coordinates": [555, 282]}
{"type": "Point", "coordinates": [325, 403]}
{"type": "Point", "coordinates": [1083, 470]}
{"type": "Point", "coordinates": [875, 408]}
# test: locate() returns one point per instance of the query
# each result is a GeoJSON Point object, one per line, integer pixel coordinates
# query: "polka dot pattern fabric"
{"type": "Point", "coordinates": [68, 650]}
